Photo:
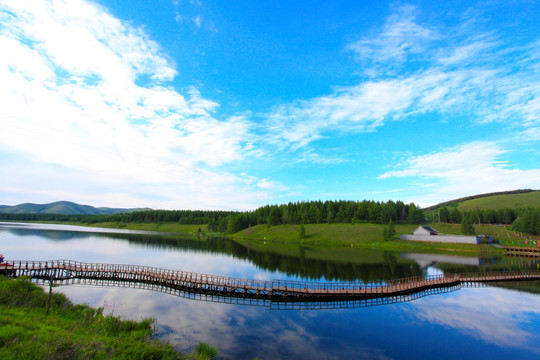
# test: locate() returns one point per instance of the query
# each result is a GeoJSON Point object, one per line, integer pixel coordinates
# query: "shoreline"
{"type": "Point", "coordinates": [356, 236]}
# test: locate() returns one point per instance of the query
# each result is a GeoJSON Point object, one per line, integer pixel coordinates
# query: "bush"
{"type": "Point", "coordinates": [205, 352]}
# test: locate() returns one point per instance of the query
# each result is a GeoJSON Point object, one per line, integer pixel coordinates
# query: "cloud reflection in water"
{"type": "Point", "coordinates": [495, 315]}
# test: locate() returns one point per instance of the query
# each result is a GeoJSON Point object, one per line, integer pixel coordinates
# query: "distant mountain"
{"type": "Point", "coordinates": [64, 208]}
{"type": "Point", "coordinates": [494, 201]}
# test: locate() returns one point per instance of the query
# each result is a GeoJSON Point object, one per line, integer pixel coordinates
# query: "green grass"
{"type": "Point", "coordinates": [502, 201]}
{"type": "Point", "coordinates": [72, 331]}
{"type": "Point", "coordinates": [335, 238]}
{"type": "Point", "coordinates": [284, 239]}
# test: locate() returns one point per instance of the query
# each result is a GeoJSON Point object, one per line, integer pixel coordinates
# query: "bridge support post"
{"type": "Point", "coordinates": [50, 295]}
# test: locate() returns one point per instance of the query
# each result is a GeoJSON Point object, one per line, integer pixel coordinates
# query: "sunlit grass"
{"type": "Point", "coordinates": [73, 331]}
{"type": "Point", "coordinates": [360, 236]}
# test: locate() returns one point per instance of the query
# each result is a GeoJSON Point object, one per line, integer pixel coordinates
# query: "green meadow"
{"type": "Point", "coordinates": [338, 235]}
{"type": "Point", "coordinates": [497, 202]}
{"type": "Point", "coordinates": [359, 236]}
{"type": "Point", "coordinates": [73, 331]}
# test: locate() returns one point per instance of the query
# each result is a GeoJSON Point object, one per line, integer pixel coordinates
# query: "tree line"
{"type": "Point", "coordinates": [488, 216]}
{"type": "Point", "coordinates": [194, 217]}
{"type": "Point", "coordinates": [233, 221]}
{"type": "Point", "coordinates": [522, 219]}
{"type": "Point", "coordinates": [528, 221]}
{"type": "Point", "coordinates": [313, 212]}
{"type": "Point", "coordinates": [307, 212]}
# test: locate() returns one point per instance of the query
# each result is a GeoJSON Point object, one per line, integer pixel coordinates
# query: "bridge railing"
{"type": "Point", "coordinates": [190, 278]}
{"type": "Point", "coordinates": [359, 286]}
{"type": "Point", "coordinates": [497, 275]}
{"type": "Point", "coordinates": [149, 271]}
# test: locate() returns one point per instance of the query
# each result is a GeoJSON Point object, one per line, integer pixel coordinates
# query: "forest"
{"type": "Point", "coordinates": [309, 212]}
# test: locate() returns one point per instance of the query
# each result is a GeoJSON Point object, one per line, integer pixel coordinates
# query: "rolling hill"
{"type": "Point", "coordinates": [64, 208]}
{"type": "Point", "coordinates": [494, 201]}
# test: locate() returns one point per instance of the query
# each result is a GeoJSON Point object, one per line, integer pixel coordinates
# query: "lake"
{"type": "Point", "coordinates": [469, 323]}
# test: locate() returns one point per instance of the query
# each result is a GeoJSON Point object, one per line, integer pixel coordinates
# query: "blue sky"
{"type": "Point", "coordinates": [236, 104]}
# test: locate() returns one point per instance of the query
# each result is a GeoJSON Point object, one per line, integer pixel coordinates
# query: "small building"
{"type": "Point", "coordinates": [427, 233]}
{"type": "Point", "coordinates": [425, 230]}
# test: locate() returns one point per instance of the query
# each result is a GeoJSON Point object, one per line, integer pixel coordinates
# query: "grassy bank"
{"type": "Point", "coordinates": [72, 331]}
{"type": "Point", "coordinates": [360, 236]}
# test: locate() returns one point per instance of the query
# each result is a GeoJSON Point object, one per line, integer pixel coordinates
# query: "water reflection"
{"type": "Point", "coordinates": [303, 262]}
{"type": "Point", "coordinates": [69, 228]}
{"type": "Point", "coordinates": [216, 255]}
{"type": "Point", "coordinates": [441, 263]}
{"type": "Point", "coordinates": [497, 316]}
{"type": "Point", "coordinates": [461, 324]}
{"type": "Point", "coordinates": [494, 323]}
{"type": "Point", "coordinates": [253, 299]}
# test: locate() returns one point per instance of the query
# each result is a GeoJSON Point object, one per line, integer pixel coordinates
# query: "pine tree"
{"type": "Point", "coordinates": [302, 232]}
{"type": "Point", "coordinates": [391, 229]}
{"type": "Point", "coordinates": [444, 214]}
{"type": "Point", "coordinates": [415, 215]}
{"type": "Point", "coordinates": [466, 227]}
{"type": "Point", "coordinates": [455, 216]}
{"type": "Point", "coordinates": [385, 234]}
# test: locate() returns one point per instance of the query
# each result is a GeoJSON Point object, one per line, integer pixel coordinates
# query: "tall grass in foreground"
{"type": "Point", "coordinates": [73, 331]}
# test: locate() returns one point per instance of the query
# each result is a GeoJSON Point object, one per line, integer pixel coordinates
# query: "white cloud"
{"type": "Point", "coordinates": [459, 73]}
{"type": "Point", "coordinates": [310, 156]}
{"type": "Point", "coordinates": [467, 169]}
{"type": "Point", "coordinates": [400, 37]}
{"type": "Point", "coordinates": [87, 93]}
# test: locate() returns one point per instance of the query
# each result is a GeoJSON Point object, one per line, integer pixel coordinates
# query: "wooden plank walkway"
{"type": "Point", "coordinates": [60, 270]}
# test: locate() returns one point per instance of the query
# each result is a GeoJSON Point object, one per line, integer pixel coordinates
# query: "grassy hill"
{"type": "Point", "coordinates": [494, 201]}
{"type": "Point", "coordinates": [497, 202]}
{"type": "Point", "coordinates": [62, 207]}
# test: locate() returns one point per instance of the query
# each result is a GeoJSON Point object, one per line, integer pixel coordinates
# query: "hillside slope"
{"type": "Point", "coordinates": [497, 202]}
{"type": "Point", "coordinates": [62, 207]}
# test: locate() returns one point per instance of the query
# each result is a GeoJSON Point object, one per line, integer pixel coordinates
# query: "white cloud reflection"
{"type": "Point", "coordinates": [494, 315]}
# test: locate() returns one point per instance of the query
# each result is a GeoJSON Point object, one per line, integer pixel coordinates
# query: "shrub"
{"type": "Point", "coordinates": [205, 352]}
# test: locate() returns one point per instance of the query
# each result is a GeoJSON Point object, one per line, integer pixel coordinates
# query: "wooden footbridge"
{"type": "Point", "coordinates": [59, 271]}
{"type": "Point", "coordinates": [522, 251]}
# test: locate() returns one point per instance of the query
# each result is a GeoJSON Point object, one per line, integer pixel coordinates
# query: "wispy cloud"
{"type": "Point", "coordinates": [188, 13]}
{"type": "Point", "coordinates": [465, 72]}
{"type": "Point", "coordinates": [400, 38]}
{"type": "Point", "coordinates": [466, 169]}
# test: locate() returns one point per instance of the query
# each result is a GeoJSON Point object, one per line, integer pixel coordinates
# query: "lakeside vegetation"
{"type": "Point", "coordinates": [325, 223]}
{"type": "Point", "coordinates": [347, 237]}
{"type": "Point", "coordinates": [74, 331]}
{"type": "Point", "coordinates": [370, 236]}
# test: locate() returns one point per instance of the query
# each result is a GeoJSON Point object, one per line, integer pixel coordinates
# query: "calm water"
{"type": "Point", "coordinates": [470, 323]}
